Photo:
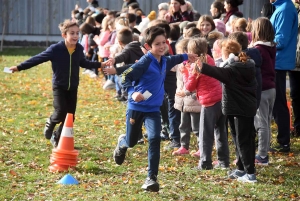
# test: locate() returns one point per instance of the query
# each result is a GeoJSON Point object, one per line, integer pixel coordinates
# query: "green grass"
{"type": "Point", "coordinates": [26, 102]}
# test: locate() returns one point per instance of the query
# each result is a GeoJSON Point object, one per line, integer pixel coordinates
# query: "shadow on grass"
{"type": "Point", "coordinates": [95, 170]}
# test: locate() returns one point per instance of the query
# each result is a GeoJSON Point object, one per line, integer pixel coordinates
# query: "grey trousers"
{"type": "Point", "coordinates": [262, 120]}
{"type": "Point", "coordinates": [212, 124]}
{"type": "Point", "coordinates": [189, 123]}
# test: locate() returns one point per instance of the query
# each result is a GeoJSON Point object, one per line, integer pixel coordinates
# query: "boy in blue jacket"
{"type": "Point", "coordinates": [66, 57]}
{"type": "Point", "coordinates": [144, 82]}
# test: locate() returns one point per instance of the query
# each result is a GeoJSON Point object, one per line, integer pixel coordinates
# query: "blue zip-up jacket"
{"type": "Point", "coordinates": [65, 66]}
{"type": "Point", "coordinates": [285, 23]}
{"type": "Point", "coordinates": [149, 74]}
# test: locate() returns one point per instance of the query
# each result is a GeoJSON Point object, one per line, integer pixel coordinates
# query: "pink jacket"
{"type": "Point", "coordinates": [103, 39]}
{"type": "Point", "coordinates": [209, 90]}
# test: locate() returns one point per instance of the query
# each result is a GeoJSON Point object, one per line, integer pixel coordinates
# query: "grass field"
{"type": "Point", "coordinates": [26, 102]}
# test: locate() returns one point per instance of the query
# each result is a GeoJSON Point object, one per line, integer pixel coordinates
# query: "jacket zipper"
{"type": "Point", "coordinates": [70, 70]}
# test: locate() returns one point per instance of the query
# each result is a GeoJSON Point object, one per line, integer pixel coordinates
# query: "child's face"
{"type": "Point", "coordinates": [71, 37]}
{"type": "Point", "coordinates": [205, 27]}
{"type": "Point", "coordinates": [175, 5]}
{"type": "Point", "coordinates": [158, 47]}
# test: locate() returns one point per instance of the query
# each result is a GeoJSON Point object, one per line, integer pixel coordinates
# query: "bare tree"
{"type": "Point", "coordinates": [4, 20]}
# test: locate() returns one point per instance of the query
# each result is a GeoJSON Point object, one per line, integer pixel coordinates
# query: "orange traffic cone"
{"type": "Point", "coordinates": [64, 156]}
{"type": "Point", "coordinates": [290, 111]}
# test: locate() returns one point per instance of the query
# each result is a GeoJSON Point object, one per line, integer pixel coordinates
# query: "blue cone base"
{"type": "Point", "coordinates": [68, 180]}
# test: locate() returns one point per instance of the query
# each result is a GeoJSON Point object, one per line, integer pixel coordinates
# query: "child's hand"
{"type": "Point", "coordinates": [105, 63]}
{"type": "Point", "coordinates": [180, 93]}
{"type": "Point", "coordinates": [109, 71]}
{"type": "Point", "coordinates": [137, 96]}
{"type": "Point", "coordinates": [14, 69]}
{"type": "Point", "coordinates": [111, 61]}
{"type": "Point", "coordinates": [192, 57]}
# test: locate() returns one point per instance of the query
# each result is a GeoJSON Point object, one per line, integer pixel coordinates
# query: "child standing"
{"type": "Point", "coordinates": [188, 105]}
{"type": "Point", "coordinates": [212, 121]}
{"type": "Point", "coordinates": [144, 82]}
{"type": "Point", "coordinates": [66, 57]}
{"type": "Point", "coordinates": [239, 102]}
{"type": "Point", "coordinates": [263, 37]}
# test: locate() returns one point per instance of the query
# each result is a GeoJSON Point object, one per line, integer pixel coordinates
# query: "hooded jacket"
{"type": "Point", "coordinates": [268, 54]}
{"type": "Point", "coordinates": [285, 23]}
{"type": "Point", "coordinates": [65, 66]}
{"type": "Point", "coordinates": [239, 86]}
{"type": "Point", "coordinates": [149, 75]}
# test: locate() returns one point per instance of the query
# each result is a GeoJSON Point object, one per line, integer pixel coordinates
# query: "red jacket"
{"type": "Point", "coordinates": [209, 90]}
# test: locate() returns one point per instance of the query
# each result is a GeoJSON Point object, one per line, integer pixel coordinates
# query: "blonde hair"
{"type": "Point", "coordinates": [105, 23]}
{"type": "Point", "coordinates": [198, 46]}
{"type": "Point", "coordinates": [241, 24]}
{"type": "Point", "coordinates": [122, 21]}
{"type": "Point", "coordinates": [64, 26]}
{"type": "Point", "coordinates": [181, 46]}
{"type": "Point", "coordinates": [262, 30]}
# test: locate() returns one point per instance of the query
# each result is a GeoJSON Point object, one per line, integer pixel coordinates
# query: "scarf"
{"type": "Point", "coordinates": [234, 11]}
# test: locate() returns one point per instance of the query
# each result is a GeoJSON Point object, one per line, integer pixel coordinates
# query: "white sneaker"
{"type": "Point", "coordinates": [109, 85]}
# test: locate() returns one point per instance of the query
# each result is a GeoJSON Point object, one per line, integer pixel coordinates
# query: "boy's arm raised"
{"type": "Point", "coordinates": [177, 59]}
{"type": "Point", "coordinates": [34, 61]}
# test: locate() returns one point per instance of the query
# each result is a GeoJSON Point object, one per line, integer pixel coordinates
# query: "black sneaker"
{"type": "Point", "coordinates": [151, 184]}
{"type": "Point", "coordinates": [172, 145]}
{"type": "Point", "coordinates": [281, 148]}
{"type": "Point", "coordinates": [48, 130]}
{"type": "Point", "coordinates": [54, 140]}
{"type": "Point", "coordinates": [120, 152]}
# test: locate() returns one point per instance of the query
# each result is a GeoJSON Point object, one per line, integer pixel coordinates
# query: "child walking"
{"type": "Point", "coordinates": [188, 105]}
{"type": "Point", "coordinates": [263, 37]}
{"type": "Point", "coordinates": [66, 58]}
{"type": "Point", "coordinates": [144, 82]}
{"type": "Point", "coordinates": [239, 102]}
{"type": "Point", "coordinates": [212, 121]}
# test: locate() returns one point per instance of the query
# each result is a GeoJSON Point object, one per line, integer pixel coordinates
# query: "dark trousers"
{"type": "Point", "coordinates": [295, 96]}
{"type": "Point", "coordinates": [64, 101]}
{"type": "Point", "coordinates": [280, 109]}
{"type": "Point", "coordinates": [134, 122]}
{"type": "Point", "coordinates": [173, 114]}
{"type": "Point", "coordinates": [245, 142]}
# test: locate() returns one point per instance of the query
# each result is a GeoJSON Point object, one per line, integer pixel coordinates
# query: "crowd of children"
{"type": "Point", "coordinates": [212, 70]}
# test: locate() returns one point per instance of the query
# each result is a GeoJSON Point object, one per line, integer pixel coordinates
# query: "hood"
{"type": "Point", "coordinates": [271, 49]}
{"type": "Point", "coordinates": [135, 47]}
{"type": "Point", "coordinates": [279, 2]}
{"type": "Point", "coordinates": [246, 71]}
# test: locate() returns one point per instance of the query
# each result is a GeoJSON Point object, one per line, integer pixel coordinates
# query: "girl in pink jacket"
{"type": "Point", "coordinates": [212, 121]}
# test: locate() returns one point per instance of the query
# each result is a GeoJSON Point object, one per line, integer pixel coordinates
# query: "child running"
{"type": "Point", "coordinates": [212, 121]}
{"type": "Point", "coordinates": [144, 82]}
{"type": "Point", "coordinates": [66, 58]}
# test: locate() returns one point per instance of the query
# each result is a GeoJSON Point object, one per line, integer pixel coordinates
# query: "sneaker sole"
{"type": "Point", "coordinates": [247, 181]}
{"type": "Point", "coordinates": [262, 164]}
{"type": "Point", "coordinates": [114, 153]}
{"type": "Point", "coordinates": [153, 188]}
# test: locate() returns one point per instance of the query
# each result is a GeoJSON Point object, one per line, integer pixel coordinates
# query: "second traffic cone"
{"type": "Point", "coordinates": [64, 156]}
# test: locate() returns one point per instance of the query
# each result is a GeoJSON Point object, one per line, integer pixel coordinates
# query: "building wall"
{"type": "Point", "coordinates": [41, 17]}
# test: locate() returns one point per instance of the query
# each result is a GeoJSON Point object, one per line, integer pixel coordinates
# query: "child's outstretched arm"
{"type": "Point", "coordinates": [221, 74]}
{"type": "Point", "coordinates": [34, 61]}
{"type": "Point", "coordinates": [177, 59]}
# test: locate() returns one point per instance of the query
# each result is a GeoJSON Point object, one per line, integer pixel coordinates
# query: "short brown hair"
{"type": "Point", "coordinates": [152, 32]}
{"type": "Point", "coordinates": [240, 37]}
{"type": "Point", "coordinates": [125, 36]}
{"type": "Point", "coordinates": [64, 26]}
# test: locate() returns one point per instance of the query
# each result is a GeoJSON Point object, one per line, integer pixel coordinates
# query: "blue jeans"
{"type": "Point", "coordinates": [134, 122]}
